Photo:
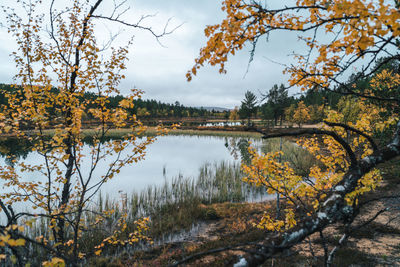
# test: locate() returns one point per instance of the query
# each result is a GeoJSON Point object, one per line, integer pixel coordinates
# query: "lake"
{"type": "Point", "coordinates": [167, 158]}
{"type": "Point", "coordinates": [172, 156]}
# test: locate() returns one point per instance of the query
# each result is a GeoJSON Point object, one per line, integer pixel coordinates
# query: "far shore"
{"type": "Point", "coordinates": [152, 131]}
{"type": "Point", "coordinates": [228, 131]}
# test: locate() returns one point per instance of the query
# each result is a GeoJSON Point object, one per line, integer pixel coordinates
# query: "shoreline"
{"type": "Point", "coordinates": [229, 131]}
{"type": "Point", "coordinates": [152, 131]}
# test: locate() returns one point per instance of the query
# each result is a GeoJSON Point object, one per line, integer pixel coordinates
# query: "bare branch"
{"type": "Point", "coordinates": [138, 25]}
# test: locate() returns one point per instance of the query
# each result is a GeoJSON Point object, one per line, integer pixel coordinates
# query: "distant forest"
{"type": "Point", "coordinates": [143, 108]}
{"type": "Point", "coordinates": [156, 109]}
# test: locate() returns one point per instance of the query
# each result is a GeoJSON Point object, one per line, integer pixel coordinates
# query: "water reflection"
{"type": "Point", "coordinates": [239, 148]}
{"type": "Point", "coordinates": [170, 156]}
{"type": "Point", "coordinates": [13, 149]}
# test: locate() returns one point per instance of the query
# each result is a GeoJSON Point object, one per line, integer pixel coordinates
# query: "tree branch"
{"type": "Point", "coordinates": [347, 127]}
{"type": "Point", "coordinates": [311, 131]}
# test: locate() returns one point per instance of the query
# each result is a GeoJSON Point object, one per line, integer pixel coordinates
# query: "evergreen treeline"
{"type": "Point", "coordinates": [277, 106]}
{"type": "Point", "coordinates": [142, 108]}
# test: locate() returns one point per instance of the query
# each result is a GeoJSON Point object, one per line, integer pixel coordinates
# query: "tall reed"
{"type": "Point", "coordinates": [177, 204]}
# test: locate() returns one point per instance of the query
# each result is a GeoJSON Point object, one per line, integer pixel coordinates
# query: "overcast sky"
{"type": "Point", "coordinates": [160, 70]}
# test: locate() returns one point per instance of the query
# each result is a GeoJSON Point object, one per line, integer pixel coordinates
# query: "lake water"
{"type": "Point", "coordinates": [225, 123]}
{"type": "Point", "coordinates": [168, 157]}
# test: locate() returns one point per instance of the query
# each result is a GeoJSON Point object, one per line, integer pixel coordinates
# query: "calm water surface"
{"type": "Point", "coordinates": [171, 156]}
{"type": "Point", "coordinates": [166, 158]}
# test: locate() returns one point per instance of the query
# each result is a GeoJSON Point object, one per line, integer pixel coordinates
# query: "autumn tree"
{"type": "Point", "coordinates": [234, 114]}
{"type": "Point", "coordinates": [339, 35]}
{"type": "Point", "coordinates": [298, 114]}
{"type": "Point", "coordinates": [317, 113]}
{"type": "Point", "coordinates": [59, 59]}
{"type": "Point", "coordinates": [301, 114]}
{"type": "Point", "coordinates": [289, 113]}
{"type": "Point", "coordinates": [142, 112]}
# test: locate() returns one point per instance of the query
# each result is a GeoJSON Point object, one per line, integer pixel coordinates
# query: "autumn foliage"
{"type": "Point", "coordinates": [338, 35]}
{"type": "Point", "coordinates": [304, 194]}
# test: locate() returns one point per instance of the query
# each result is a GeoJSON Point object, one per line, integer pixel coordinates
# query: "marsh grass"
{"type": "Point", "coordinates": [300, 159]}
{"type": "Point", "coordinates": [179, 203]}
